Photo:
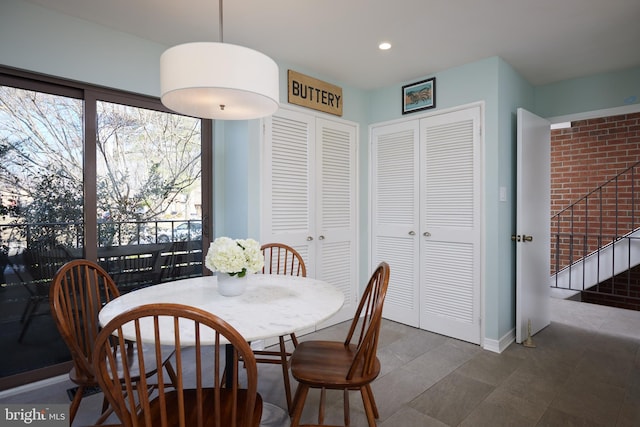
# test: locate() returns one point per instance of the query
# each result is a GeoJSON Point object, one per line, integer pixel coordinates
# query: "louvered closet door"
{"type": "Point", "coordinates": [309, 197]}
{"type": "Point", "coordinates": [288, 214]}
{"type": "Point", "coordinates": [394, 216]}
{"type": "Point", "coordinates": [336, 214]}
{"type": "Point", "coordinates": [450, 224]}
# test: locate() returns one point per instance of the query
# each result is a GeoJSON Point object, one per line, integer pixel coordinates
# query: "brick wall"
{"type": "Point", "coordinates": [587, 155]}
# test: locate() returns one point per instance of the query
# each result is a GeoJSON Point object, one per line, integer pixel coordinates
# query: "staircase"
{"type": "Point", "coordinates": [596, 243]}
{"type": "Point", "coordinates": [603, 264]}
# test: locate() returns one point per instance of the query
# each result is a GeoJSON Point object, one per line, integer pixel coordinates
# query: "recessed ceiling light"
{"type": "Point", "coordinates": [384, 46]}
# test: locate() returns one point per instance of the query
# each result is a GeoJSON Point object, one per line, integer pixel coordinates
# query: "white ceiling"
{"type": "Point", "coordinates": [544, 40]}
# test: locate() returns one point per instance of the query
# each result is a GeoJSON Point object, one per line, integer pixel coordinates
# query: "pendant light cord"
{"type": "Point", "coordinates": [221, 38]}
{"type": "Point", "coordinates": [221, 25]}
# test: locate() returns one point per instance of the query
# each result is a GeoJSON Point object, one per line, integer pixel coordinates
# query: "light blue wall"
{"type": "Point", "coordinates": [36, 39]}
{"type": "Point", "coordinates": [597, 92]}
{"type": "Point", "coordinates": [493, 82]}
{"type": "Point", "coordinates": [503, 90]}
{"type": "Point", "coordinates": [231, 158]}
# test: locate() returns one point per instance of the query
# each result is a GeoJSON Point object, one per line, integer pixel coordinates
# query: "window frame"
{"type": "Point", "coordinates": [90, 94]}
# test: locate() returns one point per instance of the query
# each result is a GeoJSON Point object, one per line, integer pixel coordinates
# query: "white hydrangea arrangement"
{"type": "Point", "coordinates": [234, 257]}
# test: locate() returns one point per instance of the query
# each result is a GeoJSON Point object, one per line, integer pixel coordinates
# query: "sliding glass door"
{"type": "Point", "coordinates": [149, 195]}
{"type": "Point", "coordinates": [41, 219]}
{"type": "Point", "coordinates": [90, 173]}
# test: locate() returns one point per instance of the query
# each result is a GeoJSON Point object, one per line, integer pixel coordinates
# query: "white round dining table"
{"type": "Point", "coordinates": [271, 306]}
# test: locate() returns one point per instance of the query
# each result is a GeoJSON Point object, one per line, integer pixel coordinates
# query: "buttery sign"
{"type": "Point", "coordinates": [313, 93]}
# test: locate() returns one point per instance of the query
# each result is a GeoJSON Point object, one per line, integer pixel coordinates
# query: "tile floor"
{"type": "Point", "coordinates": [585, 371]}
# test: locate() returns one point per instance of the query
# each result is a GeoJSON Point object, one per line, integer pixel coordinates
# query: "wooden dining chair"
{"type": "Point", "coordinates": [348, 365]}
{"type": "Point", "coordinates": [41, 264]}
{"type": "Point", "coordinates": [78, 291]}
{"type": "Point", "coordinates": [281, 259]}
{"type": "Point", "coordinates": [198, 337]}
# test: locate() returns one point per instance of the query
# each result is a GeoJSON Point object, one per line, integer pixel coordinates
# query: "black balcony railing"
{"type": "Point", "coordinates": [173, 245]}
{"type": "Point", "coordinates": [139, 253]}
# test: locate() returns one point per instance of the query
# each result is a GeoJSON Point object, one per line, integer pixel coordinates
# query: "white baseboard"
{"type": "Point", "coordinates": [498, 346]}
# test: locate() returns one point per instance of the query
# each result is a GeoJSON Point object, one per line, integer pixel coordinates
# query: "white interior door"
{"type": "Point", "coordinates": [309, 197]}
{"type": "Point", "coordinates": [336, 229]}
{"type": "Point", "coordinates": [288, 214]}
{"type": "Point", "coordinates": [395, 216]}
{"type": "Point", "coordinates": [532, 224]}
{"type": "Point", "coordinates": [450, 229]}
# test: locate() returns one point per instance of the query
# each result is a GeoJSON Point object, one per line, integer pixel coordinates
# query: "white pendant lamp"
{"type": "Point", "coordinates": [219, 80]}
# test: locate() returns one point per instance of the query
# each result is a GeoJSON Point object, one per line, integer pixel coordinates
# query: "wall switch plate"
{"type": "Point", "coordinates": [503, 194]}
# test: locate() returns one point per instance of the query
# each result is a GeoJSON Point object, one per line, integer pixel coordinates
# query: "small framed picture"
{"type": "Point", "coordinates": [419, 96]}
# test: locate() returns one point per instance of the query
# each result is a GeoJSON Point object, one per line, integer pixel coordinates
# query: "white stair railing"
{"type": "Point", "coordinates": [600, 265]}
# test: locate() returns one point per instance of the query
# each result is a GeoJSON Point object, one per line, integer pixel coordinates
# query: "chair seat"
{"type": "Point", "coordinates": [191, 402]}
{"type": "Point", "coordinates": [326, 364]}
{"type": "Point", "coordinates": [348, 365]}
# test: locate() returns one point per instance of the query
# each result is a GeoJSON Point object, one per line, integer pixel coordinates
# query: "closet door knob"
{"type": "Point", "coordinates": [320, 237]}
{"type": "Point", "coordinates": [309, 238]}
{"type": "Point", "coordinates": [426, 234]}
{"type": "Point", "coordinates": [412, 233]}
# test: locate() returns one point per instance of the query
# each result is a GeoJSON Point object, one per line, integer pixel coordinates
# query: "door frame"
{"type": "Point", "coordinates": [555, 121]}
{"type": "Point", "coordinates": [594, 114]}
{"type": "Point", "coordinates": [482, 173]}
{"type": "Point", "coordinates": [316, 121]}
